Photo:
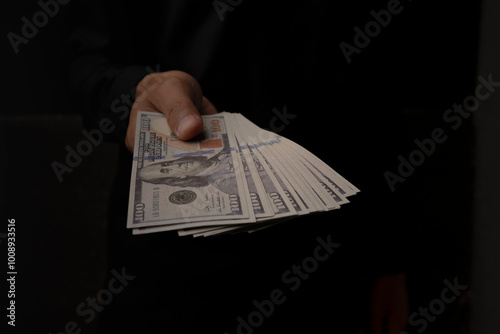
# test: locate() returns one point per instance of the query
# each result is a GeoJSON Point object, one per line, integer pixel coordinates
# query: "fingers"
{"type": "Point", "coordinates": [389, 308]}
{"type": "Point", "coordinates": [396, 325]}
{"type": "Point", "coordinates": [207, 108]}
{"type": "Point", "coordinates": [377, 323]}
{"type": "Point", "coordinates": [397, 320]}
{"type": "Point", "coordinates": [183, 106]}
{"type": "Point", "coordinates": [178, 96]}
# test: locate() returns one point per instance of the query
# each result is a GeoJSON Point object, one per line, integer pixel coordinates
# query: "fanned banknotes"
{"type": "Point", "coordinates": [235, 177]}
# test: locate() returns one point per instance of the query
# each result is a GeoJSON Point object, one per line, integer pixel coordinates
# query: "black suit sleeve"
{"type": "Point", "coordinates": [102, 69]}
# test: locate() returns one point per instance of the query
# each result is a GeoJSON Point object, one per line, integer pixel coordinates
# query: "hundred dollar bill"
{"type": "Point", "coordinates": [281, 202]}
{"type": "Point", "coordinates": [236, 177]}
{"type": "Point", "coordinates": [271, 192]}
{"type": "Point", "coordinates": [324, 187]}
{"type": "Point", "coordinates": [186, 184]}
{"type": "Point", "coordinates": [302, 196]}
{"type": "Point", "coordinates": [340, 186]}
{"type": "Point", "coordinates": [336, 180]}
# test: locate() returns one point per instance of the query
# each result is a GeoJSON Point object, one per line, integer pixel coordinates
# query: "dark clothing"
{"type": "Point", "coordinates": [186, 285]}
{"type": "Point", "coordinates": [260, 58]}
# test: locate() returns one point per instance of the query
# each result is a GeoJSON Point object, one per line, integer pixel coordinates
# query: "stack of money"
{"type": "Point", "coordinates": [234, 177]}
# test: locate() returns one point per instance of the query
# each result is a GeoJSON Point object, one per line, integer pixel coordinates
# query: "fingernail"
{"type": "Point", "coordinates": [185, 124]}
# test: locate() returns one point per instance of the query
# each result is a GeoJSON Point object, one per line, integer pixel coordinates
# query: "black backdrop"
{"type": "Point", "coordinates": [60, 226]}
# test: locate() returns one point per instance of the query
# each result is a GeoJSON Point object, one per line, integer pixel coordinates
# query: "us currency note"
{"type": "Point", "coordinates": [186, 184]}
{"type": "Point", "coordinates": [295, 186]}
{"type": "Point", "coordinates": [324, 187]}
{"type": "Point", "coordinates": [340, 183]}
{"type": "Point", "coordinates": [273, 191]}
{"type": "Point", "coordinates": [235, 177]}
{"type": "Point", "coordinates": [280, 194]}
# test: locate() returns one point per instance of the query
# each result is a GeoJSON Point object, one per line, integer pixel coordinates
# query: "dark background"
{"type": "Point", "coordinates": [60, 226]}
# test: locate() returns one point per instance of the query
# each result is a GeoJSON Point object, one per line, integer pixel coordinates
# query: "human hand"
{"type": "Point", "coordinates": [389, 308]}
{"type": "Point", "coordinates": [175, 94]}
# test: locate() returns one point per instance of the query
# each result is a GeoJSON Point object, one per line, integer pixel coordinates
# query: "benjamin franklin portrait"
{"type": "Point", "coordinates": [194, 171]}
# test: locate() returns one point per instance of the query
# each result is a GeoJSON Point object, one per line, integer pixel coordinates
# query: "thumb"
{"type": "Point", "coordinates": [179, 97]}
{"type": "Point", "coordinates": [185, 120]}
